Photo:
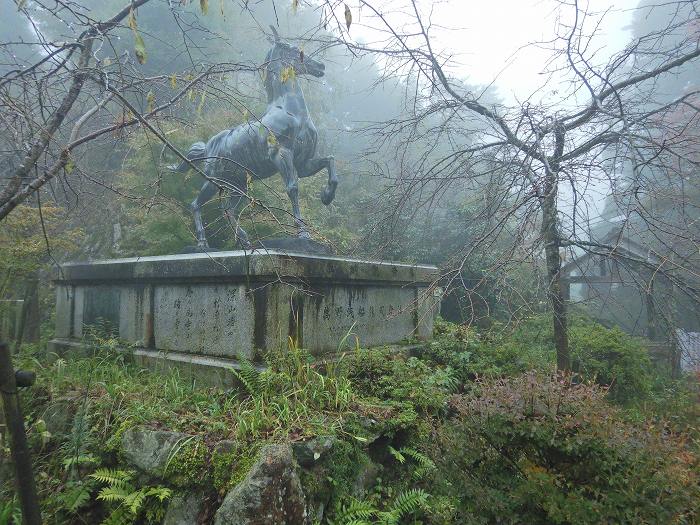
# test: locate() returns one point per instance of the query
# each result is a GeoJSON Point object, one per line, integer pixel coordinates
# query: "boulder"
{"type": "Point", "coordinates": [184, 509]}
{"type": "Point", "coordinates": [59, 416]}
{"type": "Point", "coordinates": [311, 451]}
{"type": "Point", "coordinates": [150, 450]}
{"type": "Point", "coordinates": [270, 494]}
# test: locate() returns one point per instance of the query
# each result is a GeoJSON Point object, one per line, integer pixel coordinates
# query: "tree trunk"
{"type": "Point", "coordinates": [552, 243]}
{"type": "Point", "coordinates": [28, 326]}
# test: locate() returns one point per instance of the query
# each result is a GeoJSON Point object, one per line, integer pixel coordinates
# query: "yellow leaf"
{"type": "Point", "coordinates": [20, 4]}
{"type": "Point", "coordinates": [151, 101]}
{"type": "Point", "coordinates": [248, 182]}
{"type": "Point", "coordinates": [139, 48]}
{"type": "Point", "coordinates": [106, 62]}
{"type": "Point", "coordinates": [132, 19]}
{"type": "Point", "coordinates": [245, 114]}
{"type": "Point", "coordinates": [348, 17]}
{"type": "Point", "coordinates": [70, 165]}
{"type": "Point", "coordinates": [201, 102]}
{"type": "Point", "coordinates": [295, 6]}
{"type": "Point", "coordinates": [271, 139]}
{"type": "Point", "coordinates": [287, 73]}
{"type": "Point", "coordinates": [204, 5]}
{"type": "Point", "coordinates": [173, 81]}
{"type": "Point", "coordinates": [221, 6]}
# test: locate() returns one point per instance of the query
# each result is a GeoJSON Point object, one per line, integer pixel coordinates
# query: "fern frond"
{"type": "Point", "coordinates": [119, 516]}
{"type": "Point", "coordinates": [113, 494]}
{"type": "Point", "coordinates": [249, 376]}
{"type": "Point", "coordinates": [76, 497]}
{"type": "Point", "coordinates": [109, 476]}
{"type": "Point", "coordinates": [398, 456]}
{"type": "Point", "coordinates": [408, 502]}
{"type": "Point", "coordinates": [356, 512]}
{"type": "Point", "coordinates": [162, 493]}
{"type": "Point", "coordinates": [135, 501]}
{"type": "Point", "coordinates": [80, 459]}
{"type": "Point", "coordinates": [425, 464]}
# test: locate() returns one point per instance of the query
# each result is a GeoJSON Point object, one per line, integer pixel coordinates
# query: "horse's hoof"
{"type": "Point", "coordinates": [327, 196]}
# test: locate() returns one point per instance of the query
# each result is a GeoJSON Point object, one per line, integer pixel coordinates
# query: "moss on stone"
{"type": "Point", "coordinates": [189, 465]}
{"type": "Point", "coordinates": [229, 468]}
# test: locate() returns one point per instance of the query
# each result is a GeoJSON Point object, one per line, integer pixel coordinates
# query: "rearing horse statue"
{"type": "Point", "coordinates": [283, 140]}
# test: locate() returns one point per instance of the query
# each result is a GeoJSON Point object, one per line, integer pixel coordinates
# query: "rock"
{"type": "Point", "coordinates": [225, 446]}
{"type": "Point", "coordinates": [365, 479]}
{"type": "Point", "coordinates": [184, 509]}
{"type": "Point", "coordinates": [308, 453]}
{"type": "Point", "coordinates": [59, 416]}
{"type": "Point", "coordinates": [270, 494]}
{"type": "Point", "coordinates": [150, 450]}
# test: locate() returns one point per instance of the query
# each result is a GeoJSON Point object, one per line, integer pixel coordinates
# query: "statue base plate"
{"type": "Point", "coordinates": [218, 306]}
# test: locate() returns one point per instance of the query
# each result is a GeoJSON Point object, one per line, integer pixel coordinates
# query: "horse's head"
{"type": "Point", "coordinates": [287, 55]}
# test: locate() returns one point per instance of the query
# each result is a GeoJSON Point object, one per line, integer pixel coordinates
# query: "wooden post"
{"type": "Point", "coordinates": [24, 476]}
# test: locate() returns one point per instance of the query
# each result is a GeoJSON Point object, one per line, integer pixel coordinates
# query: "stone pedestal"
{"type": "Point", "coordinates": [210, 308]}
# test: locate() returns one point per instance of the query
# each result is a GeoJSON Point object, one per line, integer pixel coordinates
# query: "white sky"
{"type": "Point", "coordinates": [495, 30]}
{"type": "Point", "coordinates": [485, 36]}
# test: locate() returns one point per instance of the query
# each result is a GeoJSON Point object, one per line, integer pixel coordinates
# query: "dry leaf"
{"type": "Point", "coordinates": [348, 17]}
{"type": "Point", "coordinates": [140, 48]}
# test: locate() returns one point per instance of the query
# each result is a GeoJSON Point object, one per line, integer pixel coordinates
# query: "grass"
{"type": "Point", "coordinates": [363, 394]}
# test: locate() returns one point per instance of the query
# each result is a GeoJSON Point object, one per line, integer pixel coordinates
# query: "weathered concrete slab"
{"type": "Point", "coordinates": [226, 304]}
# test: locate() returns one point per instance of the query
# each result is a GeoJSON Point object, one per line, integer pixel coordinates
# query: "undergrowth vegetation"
{"type": "Point", "coordinates": [468, 428]}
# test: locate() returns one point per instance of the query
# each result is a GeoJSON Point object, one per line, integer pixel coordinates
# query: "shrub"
{"type": "Point", "coordinates": [538, 449]}
{"type": "Point", "coordinates": [606, 355]}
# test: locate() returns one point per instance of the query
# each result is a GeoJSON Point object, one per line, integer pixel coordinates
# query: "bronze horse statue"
{"type": "Point", "coordinates": [283, 140]}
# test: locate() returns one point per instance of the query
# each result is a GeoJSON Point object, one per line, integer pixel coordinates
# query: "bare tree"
{"type": "Point", "coordinates": [541, 156]}
{"type": "Point", "coordinates": [52, 93]}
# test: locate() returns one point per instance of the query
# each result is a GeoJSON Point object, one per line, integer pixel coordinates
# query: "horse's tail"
{"type": "Point", "coordinates": [196, 153]}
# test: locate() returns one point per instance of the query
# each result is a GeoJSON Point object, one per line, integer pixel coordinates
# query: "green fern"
{"type": "Point", "coordinates": [359, 512]}
{"type": "Point", "coordinates": [10, 513]}
{"type": "Point", "coordinates": [115, 493]}
{"type": "Point", "coordinates": [77, 496]}
{"type": "Point", "coordinates": [112, 477]}
{"type": "Point", "coordinates": [119, 516]}
{"type": "Point", "coordinates": [354, 513]}
{"type": "Point", "coordinates": [80, 459]}
{"type": "Point", "coordinates": [129, 503]}
{"type": "Point", "coordinates": [398, 456]}
{"type": "Point", "coordinates": [425, 464]}
{"type": "Point", "coordinates": [406, 503]}
{"type": "Point", "coordinates": [249, 376]}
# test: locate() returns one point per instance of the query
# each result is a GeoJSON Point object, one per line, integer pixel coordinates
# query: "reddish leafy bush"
{"type": "Point", "coordinates": [537, 449]}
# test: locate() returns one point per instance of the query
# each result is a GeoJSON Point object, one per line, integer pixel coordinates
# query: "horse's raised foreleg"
{"type": "Point", "coordinates": [231, 211]}
{"type": "Point", "coordinates": [205, 195]}
{"type": "Point", "coordinates": [313, 166]}
{"type": "Point", "coordinates": [283, 159]}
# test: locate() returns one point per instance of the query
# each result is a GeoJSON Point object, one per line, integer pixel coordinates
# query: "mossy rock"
{"type": "Point", "coordinates": [270, 494]}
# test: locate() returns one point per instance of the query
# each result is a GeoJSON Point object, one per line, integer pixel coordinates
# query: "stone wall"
{"type": "Point", "coordinates": [227, 304]}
